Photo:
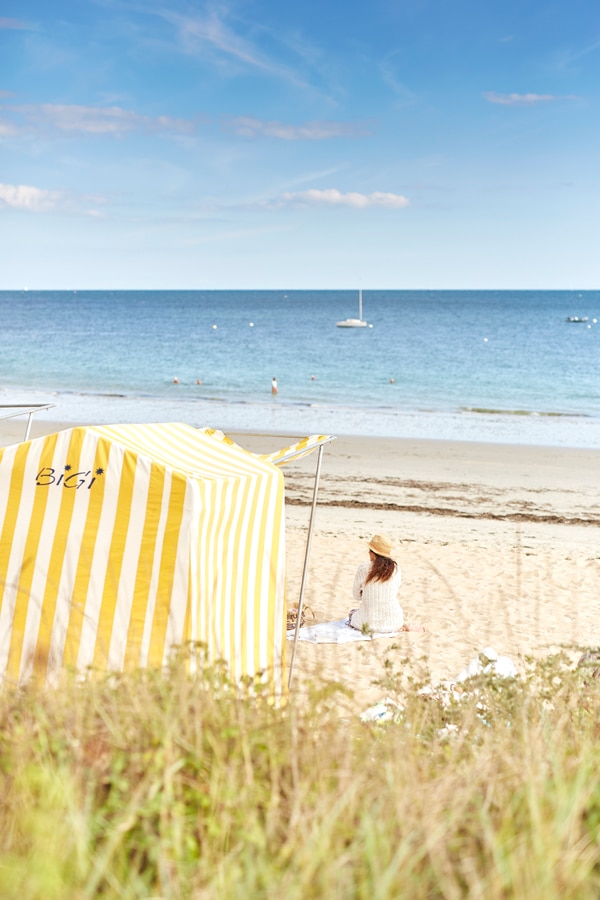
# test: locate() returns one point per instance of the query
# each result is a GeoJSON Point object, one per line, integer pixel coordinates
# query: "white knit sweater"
{"type": "Point", "coordinates": [379, 607]}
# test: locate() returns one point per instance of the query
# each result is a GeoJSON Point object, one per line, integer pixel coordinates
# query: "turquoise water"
{"type": "Point", "coordinates": [502, 366]}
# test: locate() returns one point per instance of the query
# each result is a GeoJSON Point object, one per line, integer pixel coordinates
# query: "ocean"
{"type": "Point", "coordinates": [501, 366]}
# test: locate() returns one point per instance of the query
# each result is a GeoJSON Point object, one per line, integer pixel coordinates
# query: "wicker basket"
{"type": "Point", "coordinates": [292, 616]}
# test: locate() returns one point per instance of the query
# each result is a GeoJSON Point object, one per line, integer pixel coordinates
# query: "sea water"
{"type": "Point", "coordinates": [501, 366]}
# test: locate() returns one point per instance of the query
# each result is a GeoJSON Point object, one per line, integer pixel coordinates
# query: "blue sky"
{"type": "Point", "coordinates": [388, 144]}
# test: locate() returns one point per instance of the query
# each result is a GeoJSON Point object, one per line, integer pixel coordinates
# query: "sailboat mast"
{"type": "Point", "coordinates": [360, 304]}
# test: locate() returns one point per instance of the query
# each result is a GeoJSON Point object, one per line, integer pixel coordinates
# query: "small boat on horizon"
{"type": "Point", "coordinates": [354, 323]}
{"type": "Point", "coordinates": [576, 319]}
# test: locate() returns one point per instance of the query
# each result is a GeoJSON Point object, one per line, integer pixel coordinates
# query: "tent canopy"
{"type": "Point", "coordinates": [119, 542]}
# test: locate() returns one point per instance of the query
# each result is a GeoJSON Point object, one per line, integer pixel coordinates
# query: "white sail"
{"type": "Point", "coordinates": [354, 323]}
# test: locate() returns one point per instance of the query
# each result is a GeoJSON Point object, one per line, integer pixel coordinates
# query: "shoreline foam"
{"type": "Point", "coordinates": [275, 416]}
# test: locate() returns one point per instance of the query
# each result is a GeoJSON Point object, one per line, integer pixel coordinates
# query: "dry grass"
{"type": "Point", "coordinates": [166, 786]}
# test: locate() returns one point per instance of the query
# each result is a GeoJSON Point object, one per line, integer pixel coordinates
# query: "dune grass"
{"type": "Point", "coordinates": [161, 785]}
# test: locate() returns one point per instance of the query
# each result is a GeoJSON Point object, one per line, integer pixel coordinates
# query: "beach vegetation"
{"type": "Point", "coordinates": [169, 785]}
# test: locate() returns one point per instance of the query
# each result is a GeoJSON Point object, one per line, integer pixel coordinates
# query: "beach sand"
{"type": "Point", "coordinates": [498, 545]}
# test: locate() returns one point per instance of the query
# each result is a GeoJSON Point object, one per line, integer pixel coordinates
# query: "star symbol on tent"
{"type": "Point", "coordinates": [99, 471]}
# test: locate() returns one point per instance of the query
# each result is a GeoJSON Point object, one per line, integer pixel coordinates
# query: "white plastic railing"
{"type": "Point", "coordinates": [22, 409]}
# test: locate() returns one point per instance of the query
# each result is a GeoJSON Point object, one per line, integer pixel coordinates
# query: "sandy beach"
{"type": "Point", "coordinates": [498, 546]}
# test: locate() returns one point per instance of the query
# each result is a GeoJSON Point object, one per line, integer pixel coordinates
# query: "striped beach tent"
{"type": "Point", "coordinates": [119, 542]}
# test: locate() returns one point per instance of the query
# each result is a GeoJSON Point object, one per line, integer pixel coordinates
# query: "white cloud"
{"type": "Point", "coordinates": [29, 198]}
{"type": "Point", "coordinates": [519, 99]}
{"type": "Point", "coordinates": [319, 130]}
{"type": "Point", "coordinates": [334, 198]}
{"type": "Point", "coordinates": [97, 120]}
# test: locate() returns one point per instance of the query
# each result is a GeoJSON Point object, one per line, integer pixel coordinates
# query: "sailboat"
{"type": "Point", "coordinates": [354, 323]}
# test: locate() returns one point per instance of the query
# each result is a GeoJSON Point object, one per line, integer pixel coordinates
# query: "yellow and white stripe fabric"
{"type": "Point", "coordinates": [296, 451]}
{"type": "Point", "coordinates": [119, 542]}
{"type": "Point", "coordinates": [280, 457]}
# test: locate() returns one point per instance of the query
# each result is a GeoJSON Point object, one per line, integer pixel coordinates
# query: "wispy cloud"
{"type": "Point", "coordinates": [96, 120]}
{"type": "Point", "coordinates": [591, 48]}
{"type": "Point", "coordinates": [7, 128]}
{"type": "Point", "coordinates": [331, 198]}
{"type": "Point", "coordinates": [15, 24]}
{"type": "Point", "coordinates": [213, 31]}
{"type": "Point", "coordinates": [567, 58]}
{"type": "Point", "coordinates": [230, 39]}
{"type": "Point", "coordinates": [521, 99]}
{"type": "Point", "coordinates": [31, 199]}
{"type": "Point", "coordinates": [318, 130]}
{"type": "Point", "coordinates": [405, 97]}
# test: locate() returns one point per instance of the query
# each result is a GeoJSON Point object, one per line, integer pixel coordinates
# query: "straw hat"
{"type": "Point", "coordinates": [381, 544]}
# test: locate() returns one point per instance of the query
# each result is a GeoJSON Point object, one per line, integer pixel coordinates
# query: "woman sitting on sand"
{"type": "Point", "coordinates": [376, 586]}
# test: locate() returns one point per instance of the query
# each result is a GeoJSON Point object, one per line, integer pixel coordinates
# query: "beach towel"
{"type": "Point", "coordinates": [337, 632]}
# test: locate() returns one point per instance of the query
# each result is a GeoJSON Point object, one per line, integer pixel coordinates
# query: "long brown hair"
{"type": "Point", "coordinates": [382, 568]}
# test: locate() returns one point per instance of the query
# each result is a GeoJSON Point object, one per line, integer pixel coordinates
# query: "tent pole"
{"type": "Point", "coordinates": [306, 557]}
{"type": "Point", "coordinates": [28, 428]}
